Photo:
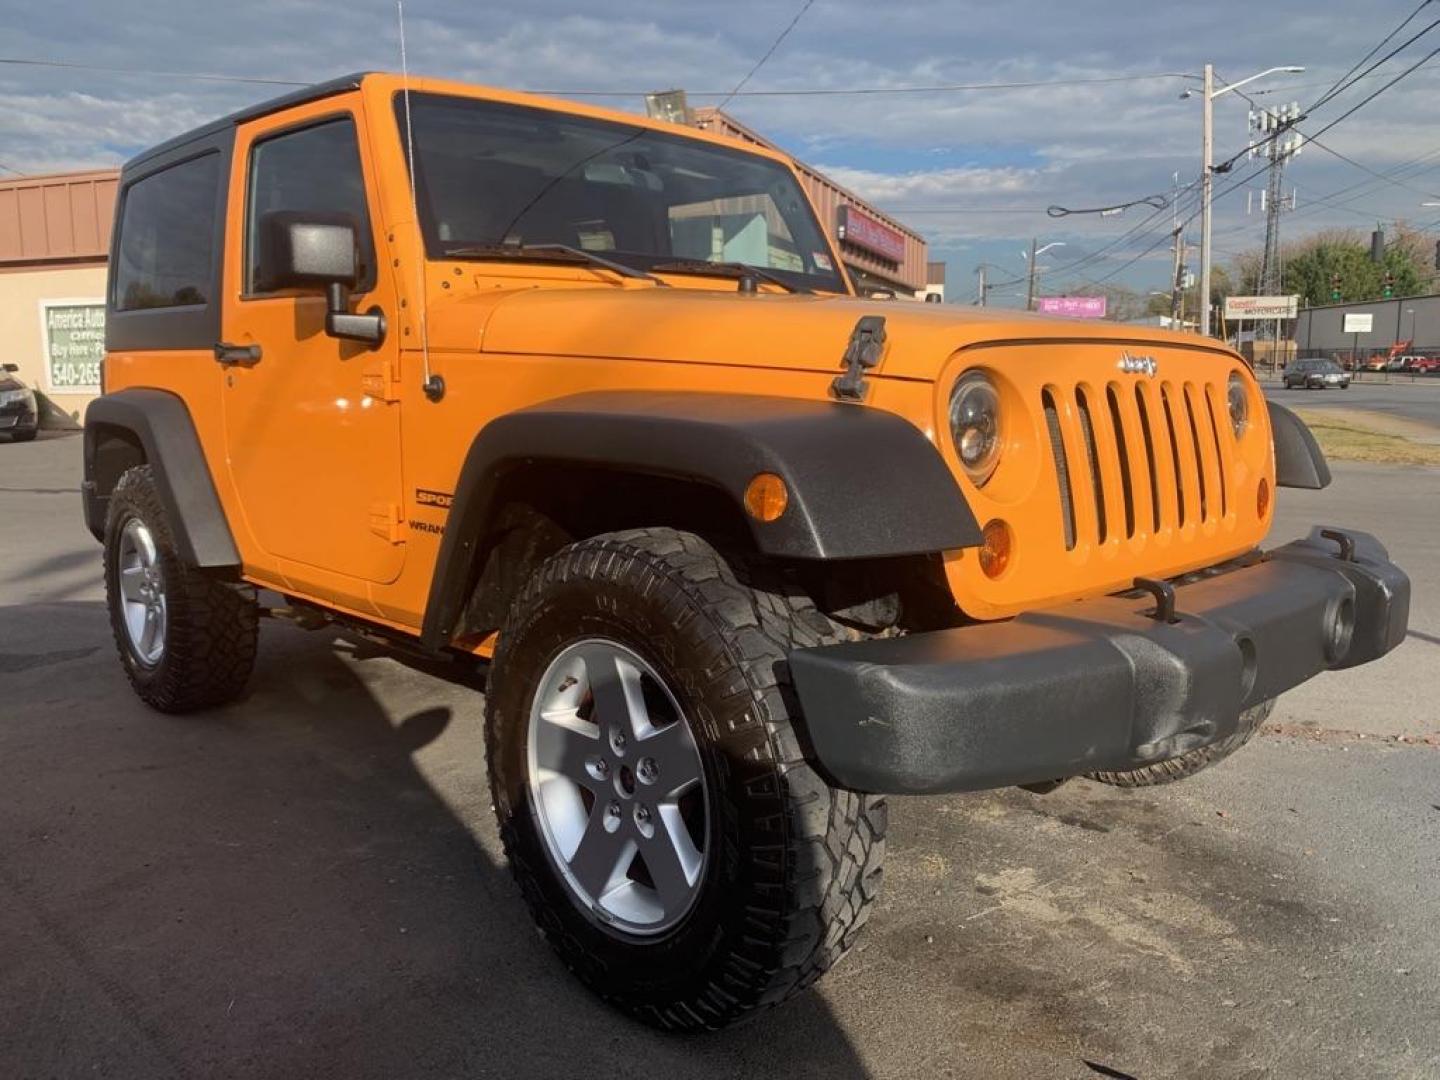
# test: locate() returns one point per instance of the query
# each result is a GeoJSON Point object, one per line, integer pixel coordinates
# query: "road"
{"type": "Point", "coordinates": [309, 884]}
{"type": "Point", "coordinates": [1417, 399]}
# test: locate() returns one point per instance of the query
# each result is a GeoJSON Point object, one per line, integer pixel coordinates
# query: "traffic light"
{"type": "Point", "coordinates": [1389, 285]}
{"type": "Point", "coordinates": [1335, 286]}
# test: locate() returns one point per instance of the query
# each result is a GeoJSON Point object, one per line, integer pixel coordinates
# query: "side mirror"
{"type": "Point", "coordinates": [314, 250]}
{"type": "Point", "coordinates": [10, 368]}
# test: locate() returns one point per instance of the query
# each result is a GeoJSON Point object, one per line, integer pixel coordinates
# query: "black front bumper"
{"type": "Point", "coordinates": [1098, 684]}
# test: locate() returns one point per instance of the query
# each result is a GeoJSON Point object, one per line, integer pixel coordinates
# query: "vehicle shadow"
{"type": "Point", "coordinates": [305, 884]}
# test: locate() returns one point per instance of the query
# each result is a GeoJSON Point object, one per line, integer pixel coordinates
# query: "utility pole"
{"type": "Point", "coordinates": [1208, 95]}
{"type": "Point", "coordinates": [1207, 149]}
{"type": "Point", "coordinates": [983, 287]}
{"type": "Point", "coordinates": [1030, 288]}
{"type": "Point", "coordinates": [1277, 147]}
{"type": "Point", "coordinates": [1177, 281]}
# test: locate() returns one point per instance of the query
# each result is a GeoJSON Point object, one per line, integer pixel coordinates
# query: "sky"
{"type": "Point", "coordinates": [973, 171]}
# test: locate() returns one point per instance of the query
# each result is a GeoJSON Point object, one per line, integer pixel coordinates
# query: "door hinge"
{"type": "Point", "coordinates": [386, 522]}
{"type": "Point", "coordinates": [380, 379]}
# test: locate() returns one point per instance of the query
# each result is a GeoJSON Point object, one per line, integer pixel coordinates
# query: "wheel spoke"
{"type": "Point", "coordinates": [673, 751]}
{"type": "Point", "coordinates": [566, 745]}
{"type": "Point", "coordinates": [602, 856]}
{"type": "Point", "coordinates": [131, 578]}
{"type": "Point", "coordinates": [672, 860]}
{"type": "Point", "coordinates": [615, 687]}
{"type": "Point", "coordinates": [147, 635]}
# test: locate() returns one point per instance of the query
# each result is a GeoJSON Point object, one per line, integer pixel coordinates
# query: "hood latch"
{"type": "Point", "coordinates": [867, 343]}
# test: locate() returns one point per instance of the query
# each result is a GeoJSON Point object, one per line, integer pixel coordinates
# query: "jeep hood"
{"type": "Point", "coordinates": [772, 330]}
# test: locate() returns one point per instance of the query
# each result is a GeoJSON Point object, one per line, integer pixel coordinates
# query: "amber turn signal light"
{"type": "Point", "coordinates": [1262, 498]}
{"type": "Point", "coordinates": [995, 551]}
{"type": "Point", "coordinates": [766, 497]}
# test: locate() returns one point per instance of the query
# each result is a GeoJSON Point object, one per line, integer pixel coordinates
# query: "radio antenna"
{"type": "Point", "coordinates": [433, 385]}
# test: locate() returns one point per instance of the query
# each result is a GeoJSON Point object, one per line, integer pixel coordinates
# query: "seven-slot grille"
{"type": "Point", "coordinates": [1133, 459]}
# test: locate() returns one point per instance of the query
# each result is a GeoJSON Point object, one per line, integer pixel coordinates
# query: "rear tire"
{"type": "Point", "coordinates": [24, 436]}
{"type": "Point", "coordinates": [186, 639]}
{"type": "Point", "coordinates": [1191, 762]}
{"type": "Point", "coordinates": [788, 866]}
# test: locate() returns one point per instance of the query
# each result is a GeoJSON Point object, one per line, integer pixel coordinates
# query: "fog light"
{"type": "Point", "coordinates": [766, 497]}
{"type": "Point", "coordinates": [995, 551]}
{"type": "Point", "coordinates": [1262, 498]}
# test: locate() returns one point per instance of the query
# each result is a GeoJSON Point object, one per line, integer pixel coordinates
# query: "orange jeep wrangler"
{"type": "Point", "coordinates": [592, 396]}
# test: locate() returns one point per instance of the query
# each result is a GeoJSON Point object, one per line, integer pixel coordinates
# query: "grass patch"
{"type": "Point", "coordinates": [1343, 439]}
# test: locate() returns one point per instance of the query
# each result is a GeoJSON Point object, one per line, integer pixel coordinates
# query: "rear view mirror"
{"type": "Point", "coordinates": [313, 250]}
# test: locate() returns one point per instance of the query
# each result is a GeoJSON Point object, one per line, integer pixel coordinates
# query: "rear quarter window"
{"type": "Point", "coordinates": [166, 252]}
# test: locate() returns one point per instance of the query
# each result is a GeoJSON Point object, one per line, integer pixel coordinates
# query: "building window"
{"type": "Point", "coordinates": [167, 237]}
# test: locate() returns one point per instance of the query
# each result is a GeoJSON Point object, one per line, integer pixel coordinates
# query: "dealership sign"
{"type": "Point", "coordinates": [73, 335]}
{"type": "Point", "coordinates": [1261, 307]}
{"type": "Point", "coordinates": [863, 231]}
{"type": "Point", "coordinates": [1077, 307]}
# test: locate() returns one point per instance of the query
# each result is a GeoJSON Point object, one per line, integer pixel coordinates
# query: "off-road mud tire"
{"type": "Point", "coordinates": [212, 625]}
{"type": "Point", "coordinates": [1191, 762]}
{"type": "Point", "coordinates": [794, 864]}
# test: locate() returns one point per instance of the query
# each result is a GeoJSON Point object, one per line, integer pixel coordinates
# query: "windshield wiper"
{"type": "Point", "coordinates": [556, 253]}
{"type": "Point", "coordinates": [727, 269]}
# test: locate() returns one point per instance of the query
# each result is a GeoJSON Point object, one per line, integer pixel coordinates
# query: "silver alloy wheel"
{"type": "Point", "coordinates": [617, 787]}
{"type": "Point", "coordinates": [142, 592]}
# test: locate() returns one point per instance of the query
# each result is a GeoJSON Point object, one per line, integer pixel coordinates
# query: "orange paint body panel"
{"type": "Point", "coordinates": [317, 450]}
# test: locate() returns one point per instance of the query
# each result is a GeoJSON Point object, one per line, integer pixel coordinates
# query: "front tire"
{"type": "Point", "coordinates": [766, 874]}
{"type": "Point", "coordinates": [186, 639]}
{"type": "Point", "coordinates": [1192, 761]}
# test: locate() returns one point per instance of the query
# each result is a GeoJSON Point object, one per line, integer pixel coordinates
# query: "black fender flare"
{"type": "Point", "coordinates": [160, 423]}
{"type": "Point", "coordinates": [862, 482]}
{"type": "Point", "coordinates": [1299, 461]}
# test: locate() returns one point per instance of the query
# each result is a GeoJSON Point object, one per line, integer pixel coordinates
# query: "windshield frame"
{"type": "Point", "coordinates": [437, 249]}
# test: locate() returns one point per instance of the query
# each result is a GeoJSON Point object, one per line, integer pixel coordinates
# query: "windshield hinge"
{"type": "Point", "coordinates": [867, 342]}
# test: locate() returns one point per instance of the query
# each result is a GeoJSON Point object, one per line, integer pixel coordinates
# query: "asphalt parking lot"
{"type": "Point", "coordinates": [308, 883]}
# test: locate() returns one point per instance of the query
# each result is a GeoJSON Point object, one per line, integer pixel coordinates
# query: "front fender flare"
{"type": "Point", "coordinates": [1299, 461]}
{"type": "Point", "coordinates": [862, 482]}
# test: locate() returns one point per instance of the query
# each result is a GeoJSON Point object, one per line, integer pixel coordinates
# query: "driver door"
{"type": "Point", "coordinates": [312, 432]}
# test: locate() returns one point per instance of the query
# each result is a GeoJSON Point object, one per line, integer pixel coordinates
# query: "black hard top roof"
{"type": "Point", "coordinates": [295, 97]}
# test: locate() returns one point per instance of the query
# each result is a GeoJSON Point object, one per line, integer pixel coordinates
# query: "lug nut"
{"type": "Point", "coordinates": [647, 770]}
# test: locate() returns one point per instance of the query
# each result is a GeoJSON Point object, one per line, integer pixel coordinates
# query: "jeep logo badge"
{"type": "Point", "coordinates": [1138, 365]}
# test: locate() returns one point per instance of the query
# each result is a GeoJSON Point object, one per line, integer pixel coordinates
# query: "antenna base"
{"type": "Point", "coordinates": [434, 387]}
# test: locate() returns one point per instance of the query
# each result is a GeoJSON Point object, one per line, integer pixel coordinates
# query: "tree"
{"type": "Point", "coordinates": [1309, 266]}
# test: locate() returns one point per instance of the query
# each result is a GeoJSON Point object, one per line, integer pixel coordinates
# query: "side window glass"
{"type": "Point", "coordinates": [314, 168]}
{"type": "Point", "coordinates": [167, 237]}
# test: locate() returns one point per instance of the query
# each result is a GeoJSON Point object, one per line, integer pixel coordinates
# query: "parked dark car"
{"type": "Point", "coordinates": [19, 413]}
{"type": "Point", "coordinates": [1316, 374]}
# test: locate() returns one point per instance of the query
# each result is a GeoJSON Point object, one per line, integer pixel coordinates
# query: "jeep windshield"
{"type": "Point", "coordinates": [490, 174]}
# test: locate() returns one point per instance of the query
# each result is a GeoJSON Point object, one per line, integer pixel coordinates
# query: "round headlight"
{"type": "Point", "coordinates": [1239, 400]}
{"type": "Point", "coordinates": [975, 424]}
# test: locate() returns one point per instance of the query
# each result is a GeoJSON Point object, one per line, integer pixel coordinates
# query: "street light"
{"type": "Point", "coordinates": [1411, 312]}
{"type": "Point", "coordinates": [1209, 94]}
{"type": "Point", "coordinates": [1033, 255]}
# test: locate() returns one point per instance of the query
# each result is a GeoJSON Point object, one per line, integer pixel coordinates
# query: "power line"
{"type": "Point", "coordinates": [768, 53]}
{"type": "Point", "coordinates": [8, 169]}
{"type": "Point", "coordinates": [1338, 88]}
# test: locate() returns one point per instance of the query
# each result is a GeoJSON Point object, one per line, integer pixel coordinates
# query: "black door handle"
{"type": "Point", "coordinates": [225, 353]}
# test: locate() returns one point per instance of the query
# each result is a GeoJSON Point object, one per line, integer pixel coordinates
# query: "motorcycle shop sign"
{"type": "Point", "coordinates": [1261, 307]}
{"type": "Point", "coordinates": [73, 334]}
